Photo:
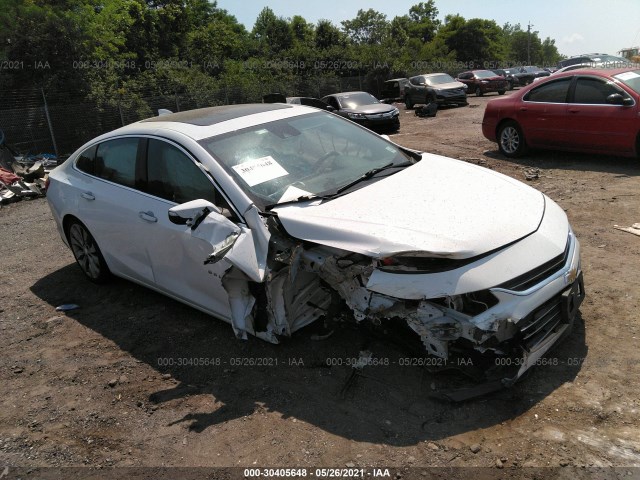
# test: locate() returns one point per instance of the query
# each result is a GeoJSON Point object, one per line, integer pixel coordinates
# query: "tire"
{"type": "Point", "coordinates": [478, 92]}
{"type": "Point", "coordinates": [500, 92]}
{"type": "Point", "coordinates": [510, 86]}
{"type": "Point", "coordinates": [87, 253]}
{"type": "Point", "coordinates": [511, 142]}
{"type": "Point", "coordinates": [408, 104]}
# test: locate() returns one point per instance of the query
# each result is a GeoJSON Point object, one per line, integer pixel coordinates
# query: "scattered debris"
{"type": "Point", "coordinates": [475, 448]}
{"type": "Point", "coordinates": [23, 176]}
{"type": "Point", "coordinates": [532, 174]}
{"type": "Point", "coordinates": [67, 307]}
{"type": "Point", "coordinates": [317, 337]}
{"type": "Point", "coordinates": [113, 382]}
{"type": "Point", "coordinates": [363, 359]}
{"type": "Point", "coordinates": [634, 229]}
{"type": "Point", "coordinates": [428, 110]}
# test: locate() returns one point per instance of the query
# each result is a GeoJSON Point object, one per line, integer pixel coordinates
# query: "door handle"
{"type": "Point", "coordinates": [523, 109]}
{"type": "Point", "coordinates": [574, 110]}
{"type": "Point", "coordinates": [148, 216]}
{"type": "Point", "coordinates": [87, 196]}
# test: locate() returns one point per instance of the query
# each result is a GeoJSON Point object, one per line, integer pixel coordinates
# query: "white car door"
{"type": "Point", "coordinates": [177, 257]}
{"type": "Point", "coordinates": [107, 204]}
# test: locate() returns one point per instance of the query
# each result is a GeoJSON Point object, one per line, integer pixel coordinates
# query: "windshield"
{"type": "Point", "coordinates": [307, 155]}
{"type": "Point", "coordinates": [439, 79]}
{"type": "Point", "coordinates": [631, 79]}
{"type": "Point", "coordinates": [355, 100]}
{"type": "Point", "coordinates": [609, 59]}
{"type": "Point", "coordinates": [484, 74]}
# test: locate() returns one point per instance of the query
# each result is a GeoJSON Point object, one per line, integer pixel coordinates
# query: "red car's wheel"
{"type": "Point", "coordinates": [511, 141]}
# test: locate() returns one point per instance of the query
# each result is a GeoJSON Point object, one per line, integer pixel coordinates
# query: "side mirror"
{"type": "Point", "coordinates": [618, 99]}
{"type": "Point", "coordinates": [330, 108]}
{"type": "Point", "coordinates": [192, 213]}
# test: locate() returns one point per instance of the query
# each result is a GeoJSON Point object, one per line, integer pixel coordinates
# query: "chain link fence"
{"type": "Point", "coordinates": [35, 121]}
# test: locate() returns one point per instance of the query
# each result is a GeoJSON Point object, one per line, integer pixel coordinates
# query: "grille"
{"type": "Point", "coordinates": [539, 324]}
{"type": "Point", "coordinates": [533, 277]}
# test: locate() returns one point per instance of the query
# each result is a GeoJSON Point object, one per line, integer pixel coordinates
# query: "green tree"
{"type": "Point", "coordinates": [370, 27]}
{"type": "Point", "coordinates": [424, 21]}
{"type": "Point", "coordinates": [328, 35]}
{"type": "Point", "coordinates": [549, 55]}
{"type": "Point", "coordinates": [473, 41]}
{"type": "Point", "coordinates": [272, 33]}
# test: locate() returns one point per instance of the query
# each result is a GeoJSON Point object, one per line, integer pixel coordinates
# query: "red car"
{"type": "Point", "coordinates": [580, 110]}
{"type": "Point", "coordinates": [483, 81]}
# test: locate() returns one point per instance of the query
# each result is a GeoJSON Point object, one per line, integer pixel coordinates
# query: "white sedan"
{"type": "Point", "coordinates": [272, 216]}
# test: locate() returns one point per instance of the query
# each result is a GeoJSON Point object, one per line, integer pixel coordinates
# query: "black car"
{"type": "Point", "coordinates": [365, 109]}
{"type": "Point", "coordinates": [509, 75]}
{"type": "Point", "coordinates": [527, 74]}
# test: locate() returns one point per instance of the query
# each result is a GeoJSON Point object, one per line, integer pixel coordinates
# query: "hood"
{"type": "Point", "coordinates": [437, 207]}
{"type": "Point", "coordinates": [448, 86]}
{"type": "Point", "coordinates": [368, 109]}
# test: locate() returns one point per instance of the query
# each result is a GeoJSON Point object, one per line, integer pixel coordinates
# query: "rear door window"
{"type": "Point", "coordinates": [116, 161]}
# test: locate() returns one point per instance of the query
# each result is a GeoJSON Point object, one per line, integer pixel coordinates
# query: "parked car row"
{"type": "Point", "coordinates": [359, 107]}
{"type": "Point", "coordinates": [576, 108]}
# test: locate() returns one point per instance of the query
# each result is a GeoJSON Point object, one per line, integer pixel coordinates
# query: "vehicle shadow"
{"type": "Point", "coordinates": [386, 402]}
{"type": "Point", "coordinates": [551, 159]}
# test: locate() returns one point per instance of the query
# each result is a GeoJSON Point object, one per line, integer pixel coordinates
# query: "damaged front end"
{"type": "Point", "coordinates": [278, 284]}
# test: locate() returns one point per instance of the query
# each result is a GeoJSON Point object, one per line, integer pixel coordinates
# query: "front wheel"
{"type": "Point", "coordinates": [86, 252]}
{"type": "Point", "coordinates": [478, 92]}
{"type": "Point", "coordinates": [500, 92]}
{"type": "Point", "coordinates": [511, 141]}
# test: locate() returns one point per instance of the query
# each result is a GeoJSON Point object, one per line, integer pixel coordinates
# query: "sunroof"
{"type": "Point", "coordinates": [212, 115]}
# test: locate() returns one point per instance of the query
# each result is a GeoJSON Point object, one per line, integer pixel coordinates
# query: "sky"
{"type": "Point", "coordinates": [577, 26]}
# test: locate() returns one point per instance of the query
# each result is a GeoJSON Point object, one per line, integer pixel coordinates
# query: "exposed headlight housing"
{"type": "Point", "coordinates": [357, 116]}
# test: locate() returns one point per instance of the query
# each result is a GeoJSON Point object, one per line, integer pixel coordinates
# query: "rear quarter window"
{"type": "Point", "coordinates": [86, 160]}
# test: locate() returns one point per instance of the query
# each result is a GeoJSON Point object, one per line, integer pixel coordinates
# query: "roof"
{"type": "Point", "coordinates": [208, 122]}
{"type": "Point", "coordinates": [594, 71]}
{"type": "Point", "coordinates": [210, 116]}
{"type": "Point", "coordinates": [339, 94]}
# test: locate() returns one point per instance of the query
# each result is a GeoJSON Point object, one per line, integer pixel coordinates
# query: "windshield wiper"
{"type": "Point", "coordinates": [301, 198]}
{"type": "Point", "coordinates": [371, 173]}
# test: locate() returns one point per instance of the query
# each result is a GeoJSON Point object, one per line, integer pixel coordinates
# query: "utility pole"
{"type": "Point", "coordinates": [529, 43]}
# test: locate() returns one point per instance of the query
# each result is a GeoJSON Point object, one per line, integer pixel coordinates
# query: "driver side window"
{"type": "Point", "coordinates": [333, 102]}
{"type": "Point", "coordinates": [172, 175]}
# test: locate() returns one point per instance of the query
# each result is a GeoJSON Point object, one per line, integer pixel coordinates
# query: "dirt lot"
{"type": "Point", "coordinates": [103, 386]}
